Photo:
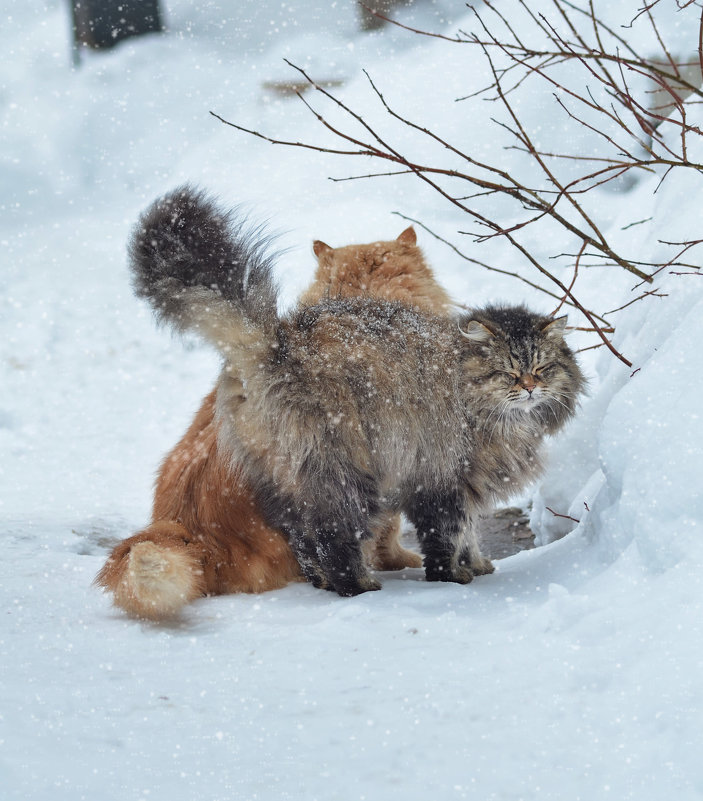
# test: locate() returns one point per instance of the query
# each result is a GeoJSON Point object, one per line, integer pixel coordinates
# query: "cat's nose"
{"type": "Point", "coordinates": [528, 382]}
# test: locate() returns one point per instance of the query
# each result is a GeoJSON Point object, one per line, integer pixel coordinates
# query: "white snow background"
{"type": "Point", "coordinates": [573, 672]}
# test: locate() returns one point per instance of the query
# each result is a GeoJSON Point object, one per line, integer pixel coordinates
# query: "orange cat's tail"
{"type": "Point", "coordinates": [154, 573]}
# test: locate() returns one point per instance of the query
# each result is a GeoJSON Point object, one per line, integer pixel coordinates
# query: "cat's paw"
{"type": "Point", "coordinates": [482, 567]}
{"type": "Point", "coordinates": [348, 586]}
{"type": "Point", "coordinates": [459, 575]}
{"type": "Point", "coordinates": [398, 560]}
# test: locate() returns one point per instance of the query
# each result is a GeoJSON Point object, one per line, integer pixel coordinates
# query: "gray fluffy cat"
{"type": "Point", "coordinates": [344, 410]}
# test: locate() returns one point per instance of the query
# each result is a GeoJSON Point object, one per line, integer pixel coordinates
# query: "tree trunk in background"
{"type": "Point", "coordinates": [101, 24]}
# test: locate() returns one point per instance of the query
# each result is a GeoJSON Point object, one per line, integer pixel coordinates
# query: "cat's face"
{"type": "Point", "coordinates": [366, 257]}
{"type": "Point", "coordinates": [519, 365]}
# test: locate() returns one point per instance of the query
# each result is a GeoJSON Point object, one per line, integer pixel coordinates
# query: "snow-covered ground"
{"type": "Point", "coordinates": [573, 672]}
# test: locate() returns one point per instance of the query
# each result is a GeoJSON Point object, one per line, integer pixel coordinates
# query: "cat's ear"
{"type": "Point", "coordinates": [555, 328]}
{"type": "Point", "coordinates": [408, 237]}
{"type": "Point", "coordinates": [320, 248]}
{"type": "Point", "coordinates": [477, 332]}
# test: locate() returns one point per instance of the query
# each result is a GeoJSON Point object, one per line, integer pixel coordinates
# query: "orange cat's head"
{"type": "Point", "coordinates": [325, 253]}
{"type": "Point", "coordinates": [392, 270]}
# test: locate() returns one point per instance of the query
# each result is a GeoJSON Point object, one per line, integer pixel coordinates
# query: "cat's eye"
{"type": "Point", "coordinates": [544, 368]}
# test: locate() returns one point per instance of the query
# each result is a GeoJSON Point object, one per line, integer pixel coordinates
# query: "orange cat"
{"type": "Point", "coordinates": [389, 270]}
{"type": "Point", "coordinates": [207, 537]}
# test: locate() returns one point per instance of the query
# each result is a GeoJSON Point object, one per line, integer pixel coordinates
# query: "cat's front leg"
{"type": "Point", "coordinates": [330, 556]}
{"type": "Point", "coordinates": [305, 552]}
{"type": "Point", "coordinates": [341, 559]}
{"type": "Point", "coordinates": [442, 522]}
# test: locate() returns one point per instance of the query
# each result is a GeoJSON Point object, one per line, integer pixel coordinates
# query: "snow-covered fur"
{"type": "Point", "coordinates": [220, 544]}
{"type": "Point", "coordinates": [157, 581]}
{"type": "Point", "coordinates": [390, 270]}
{"type": "Point", "coordinates": [342, 412]}
{"type": "Point", "coordinates": [206, 535]}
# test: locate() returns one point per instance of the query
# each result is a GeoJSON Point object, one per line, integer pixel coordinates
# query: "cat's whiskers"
{"type": "Point", "coordinates": [501, 403]}
{"type": "Point", "coordinates": [563, 393]}
{"type": "Point", "coordinates": [555, 396]}
{"type": "Point", "coordinates": [551, 398]}
{"type": "Point", "coordinates": [493, 411]}
{"type": "Point", "coordinates": [504, 406]}
{"type": "Point", "coordinates": [552, 410]}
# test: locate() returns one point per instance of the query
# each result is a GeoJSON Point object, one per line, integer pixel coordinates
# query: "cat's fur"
{"type": "Point", "coordinates": [394, 270]}
{"type": "Point", "coordinates": [357, 408]}
{"type": "Point", "coordinates": [391, 270]}
{"type": "Point", "coordinates": [207, 536]}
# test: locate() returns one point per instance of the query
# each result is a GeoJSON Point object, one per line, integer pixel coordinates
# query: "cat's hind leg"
{"type": "Point", "coordinates": [384, 551]}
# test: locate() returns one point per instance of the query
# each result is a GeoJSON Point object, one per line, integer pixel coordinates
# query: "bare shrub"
{"type": "Point", "coordinates": [635, 108]}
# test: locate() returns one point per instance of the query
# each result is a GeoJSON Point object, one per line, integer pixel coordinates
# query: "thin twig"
{"type": "Point", "coordinates": [628, 128]}
{"type": "Point", "coordinates": [566, 517]}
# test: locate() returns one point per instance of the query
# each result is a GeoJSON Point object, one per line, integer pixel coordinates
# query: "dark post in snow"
{"type": "Point", "coordinates": [101, 24]}
{"type": "Point", "coordinates": [369, 20]}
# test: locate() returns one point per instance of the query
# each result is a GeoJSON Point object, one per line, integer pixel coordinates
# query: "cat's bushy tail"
{"type": "Point", "coordinates": [155, 573]}
{"type": "Point", "coordinates": [205, 270]}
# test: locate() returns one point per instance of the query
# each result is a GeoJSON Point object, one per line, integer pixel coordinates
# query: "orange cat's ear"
{"type": "Point", "coordinates": [476, 332]}
{"type": "Point", "coordinates": [320, 248]}
{"type": "Point", "coordinates": [408, 237]}
{"type": "Point", "coordinates": [555, 328]}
